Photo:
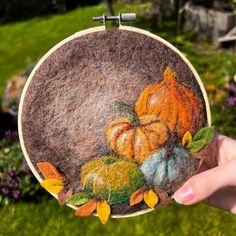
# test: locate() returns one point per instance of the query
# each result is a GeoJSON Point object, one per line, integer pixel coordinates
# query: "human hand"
{"type": "Point", "coordinates": [215, 184]}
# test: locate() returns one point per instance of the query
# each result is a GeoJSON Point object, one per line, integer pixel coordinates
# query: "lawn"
{"type": "Point", "coordinates": [48, 218]}
{"type": "Point", "coordinates": [23, 43]}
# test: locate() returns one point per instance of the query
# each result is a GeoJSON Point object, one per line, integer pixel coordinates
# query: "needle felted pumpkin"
{"type": "Point", "coordinates": [111, 178]}
{"type": "Point", "coordinates": [173, 102]}
{"type": "Point", "coordinates": [136, 138]}
{"type": "Point", "coordinates": [169, 169]}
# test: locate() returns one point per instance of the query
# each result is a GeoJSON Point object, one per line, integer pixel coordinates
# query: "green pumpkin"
{"type": "Point", "coordinates": [111, 178]}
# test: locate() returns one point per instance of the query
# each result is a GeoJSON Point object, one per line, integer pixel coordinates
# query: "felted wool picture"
{"type": "Point", "coordinates": [111, 122]}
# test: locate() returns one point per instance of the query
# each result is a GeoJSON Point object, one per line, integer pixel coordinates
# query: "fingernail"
{"type": "Point", "coordinates": [184, 194]}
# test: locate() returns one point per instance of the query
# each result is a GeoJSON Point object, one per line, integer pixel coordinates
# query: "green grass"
{"type": "Point", "coordinates": [48, 218]}
{"type": "Point", "coordinates": [24, 43]}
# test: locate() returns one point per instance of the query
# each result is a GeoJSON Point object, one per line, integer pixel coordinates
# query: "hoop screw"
{"type": "Point", "coordinates": [121, 18]}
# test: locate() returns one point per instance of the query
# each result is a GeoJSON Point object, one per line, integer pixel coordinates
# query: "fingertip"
{"type": "Point", "coordinates": [177, 200]}
{"type": "Point", "coordinates": [184, 195]}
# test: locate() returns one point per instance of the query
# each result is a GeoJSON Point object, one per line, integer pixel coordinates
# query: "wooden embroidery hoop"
{"type": "Point", "coordinates": [77, 35]}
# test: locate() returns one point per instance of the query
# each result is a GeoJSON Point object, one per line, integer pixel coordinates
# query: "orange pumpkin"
{"type": "Point", "coordinates": [173, 103]}
{"type": "Point", "coordinates": [136, 141]}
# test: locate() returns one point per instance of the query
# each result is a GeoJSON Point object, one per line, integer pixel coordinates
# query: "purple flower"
{"type": "Point", "coordinates": [11, 183]}
{"type": "Point", "coordinates": [231, 101]}
{"type": "Point", "coordinates": [11, 134]}
{"type": "Point", "coordinates": [7, 133]}
{"type": "Point", "coordinates": [223, 107]}
{"type": "Point", "coordinates": [5, 191]}
{"type": "Point", "coordinates": [11, 173]}
{"type": "Point", "coordinates": [214, 102]}
{"type": "Point", "coordinates": [231, 88]}
{"type": "Point", "coordinates": [16, 194]}
{"type": "Point", "coordinates": [17, 180]}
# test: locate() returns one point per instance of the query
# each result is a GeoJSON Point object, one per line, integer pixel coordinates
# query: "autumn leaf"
{"type": "Point", "coordinates": [136, 197]}
{"type": "Point", "coordinates": [52, 185]}
{"type": "Point", "coordinates": [49, 171]}
{"type": "Point", "coordinates": [201, 139]}
{"type": "Point", "coordinates": [87, 209]}
{"type": "Point", "coordinates": [196, 146]}
{"type": "Point", "coordinates": [150, 198]}
{"type": "Point", "coordinates": [78, 199]}
{"type": "Point", "coordinates": [163, 198]}
{"type": "Point", "coordinates": [103, 210]}
{"type": "Point", "coordinates": [206, 133]}
{"type": "Point", "coordinates": [64, 195]}
{"type": "Point", "coordinates": [187, 138]}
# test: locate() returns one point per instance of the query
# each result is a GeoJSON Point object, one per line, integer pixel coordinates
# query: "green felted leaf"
{"type": "Point", "coordinates": [78, 199]}
{"type": "Point", "coordinates": [201, 138]}
{"type": "Point", "coordinates": [206, 134]}
{"type": "Point", "coordinates": [196, 146]}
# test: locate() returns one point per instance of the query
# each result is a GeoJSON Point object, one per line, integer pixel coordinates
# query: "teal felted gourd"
{"type": "Point", "coordinates": [169, 169]}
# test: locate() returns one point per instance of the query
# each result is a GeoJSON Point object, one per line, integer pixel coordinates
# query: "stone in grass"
{"type": "Point", "coordinates": [12, 93]}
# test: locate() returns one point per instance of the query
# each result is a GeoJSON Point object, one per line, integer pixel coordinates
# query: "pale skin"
{"type": "Point", "coordinates": [215, 184]}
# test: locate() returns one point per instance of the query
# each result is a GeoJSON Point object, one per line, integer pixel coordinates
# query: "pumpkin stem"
{"type": "Point", "coordinates": [168, 154]}
{"type": "Point", "coordinates": [169, 75]}
{"type": "Point", "coordinates": [109, 161]}
{"type": "Point", "coordinates": [122, 107]}
{"type": "Point", "coordinates": [173, 139]}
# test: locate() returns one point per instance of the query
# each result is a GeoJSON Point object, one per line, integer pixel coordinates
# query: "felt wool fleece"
{"type": "Point", "coordinates": [70, 99]}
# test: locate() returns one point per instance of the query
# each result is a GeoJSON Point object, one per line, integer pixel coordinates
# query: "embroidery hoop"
{"type": "Point", "coordinates": [90, 31]}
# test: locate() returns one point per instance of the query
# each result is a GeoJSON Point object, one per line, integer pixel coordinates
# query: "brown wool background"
{"type": "Point", "coordinates": [70, 99]}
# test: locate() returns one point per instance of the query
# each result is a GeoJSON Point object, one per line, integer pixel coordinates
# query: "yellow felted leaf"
{"type": "Point", "coordinates": [103, 210]}
{"type": "Point", "coordinates": [150, 198]}
{"type": "Point", "coordinates": [187, 138]}
{"type": "Point", "coordinates": [53, 185]}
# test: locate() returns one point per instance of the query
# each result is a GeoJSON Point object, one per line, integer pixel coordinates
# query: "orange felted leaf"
{"type": "Point", "coordinates": [150, 198]}
{"type": "Point", "coordinates": [49, 171]}
{"type": "Point", "coordinates": [87, 209]}
{"type": "Point", "coordinates": [104, 211]}
{"type": "Point", "coordinates": [136, 197]}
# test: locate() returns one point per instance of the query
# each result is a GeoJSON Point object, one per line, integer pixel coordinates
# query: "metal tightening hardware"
{"type": "Point", "coordinates": [122, 17]}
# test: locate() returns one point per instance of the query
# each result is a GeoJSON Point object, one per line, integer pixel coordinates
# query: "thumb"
{"type": "Point", "coordinates": [203, 185]}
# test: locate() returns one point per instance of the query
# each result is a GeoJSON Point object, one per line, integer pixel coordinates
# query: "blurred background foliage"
{"type": "Point", "coordinates": [15, 10]}
{"type": "Point", "coordinates": [16, 180]}
{"type": "Point", "coordinates": [28, 29]}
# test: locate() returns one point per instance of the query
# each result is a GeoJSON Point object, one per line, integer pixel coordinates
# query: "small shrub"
{"type": "Point", "coordinates": [16, 182]}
